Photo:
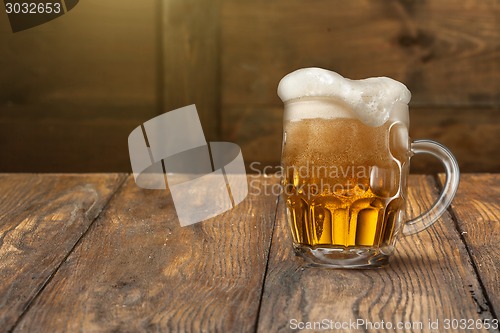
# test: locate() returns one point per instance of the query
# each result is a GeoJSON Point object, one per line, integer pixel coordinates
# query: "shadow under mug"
{"type": "Point", "coordinates": [345, 183]}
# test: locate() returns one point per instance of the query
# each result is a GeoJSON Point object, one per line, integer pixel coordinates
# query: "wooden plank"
{"type": "Point", "coordinates": [92, 139]}
{"type": "Point", "coordinates": [477, 211]}
{"type": "Point", "coordinates": [42, 217]}
{"type": "Point", "coordinates": [446, 52]}
{"type": "Point", "coordinates": [190, 54]}
{"type": "Point", "coordinates": [258, 131]}
{"type": "Point", "coordinates": [72, 89]}
{"type": "Point", "coordinates": [138, 270]}
{"type": "Point", "coordinates": [470, 133]}
{"type": "Point", "coordinates": [430, 278]}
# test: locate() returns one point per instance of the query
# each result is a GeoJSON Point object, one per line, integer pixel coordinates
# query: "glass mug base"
{"type": "Point", "coordinates": [344, 257]}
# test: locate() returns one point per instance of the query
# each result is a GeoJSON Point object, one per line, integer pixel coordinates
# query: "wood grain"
{"type": "Point", "coordinates": [429, 278]}
{"type": "Point", "coordinates": [138, 270]}
{"type": "Point", "coordinates": [446, 52]}
{"type": "Point", "coordinates": [42, 217]}
{"type": "Point", "coordinates": [190, 49]}
{"type": "Point", "coordinates": [477, 212]}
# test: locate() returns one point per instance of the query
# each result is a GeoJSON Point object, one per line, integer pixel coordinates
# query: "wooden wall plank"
{"type": "Point", "coordinates": [191, 53]}
{"type": "Point", "coordinates": [429, 278]}
{"type": "Point", "coordinates": [72, 89]}
{"type": "Point", "coordinates": [138, 270]}
{"type": "Point", "coordinates": [477, 211]}
{"type": "Point", "coordinates": [446, 52]}
{"type": "Point", "coordinates": [227, 57]}
{"type": "Point", "coordinates": [42, 217]}
{"type": "Point", "coordinates": [84, 139]}
{"type": "Point", "coordinates": [258, 131]}
{"type": "Point", "coordinates": [470, 133]}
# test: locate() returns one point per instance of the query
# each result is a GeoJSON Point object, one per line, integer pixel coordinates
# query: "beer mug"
{"type": "Point", "coordinates": [345, 163]}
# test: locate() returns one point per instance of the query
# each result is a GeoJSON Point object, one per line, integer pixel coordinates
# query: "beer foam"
{"type": "Point", "coordinates": [372, 100]}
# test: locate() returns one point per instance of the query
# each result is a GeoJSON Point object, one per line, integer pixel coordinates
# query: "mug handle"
{"type": "Point", "coordinates": [427, 218]}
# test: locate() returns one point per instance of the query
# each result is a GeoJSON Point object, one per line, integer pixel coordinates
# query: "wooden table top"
{"type": "Point", "coordinates": [95, 253]}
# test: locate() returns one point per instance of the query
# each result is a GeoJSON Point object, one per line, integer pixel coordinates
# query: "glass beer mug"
{"type": "Point", "coordinates": [345, 163]}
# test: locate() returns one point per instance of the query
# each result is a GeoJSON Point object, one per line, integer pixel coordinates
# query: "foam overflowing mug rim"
{"type": "Point", "coordinates": [372, 100]}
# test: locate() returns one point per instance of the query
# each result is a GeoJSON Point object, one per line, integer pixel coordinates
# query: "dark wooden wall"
{"type": "Point", "coordinates": [71, 90]}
